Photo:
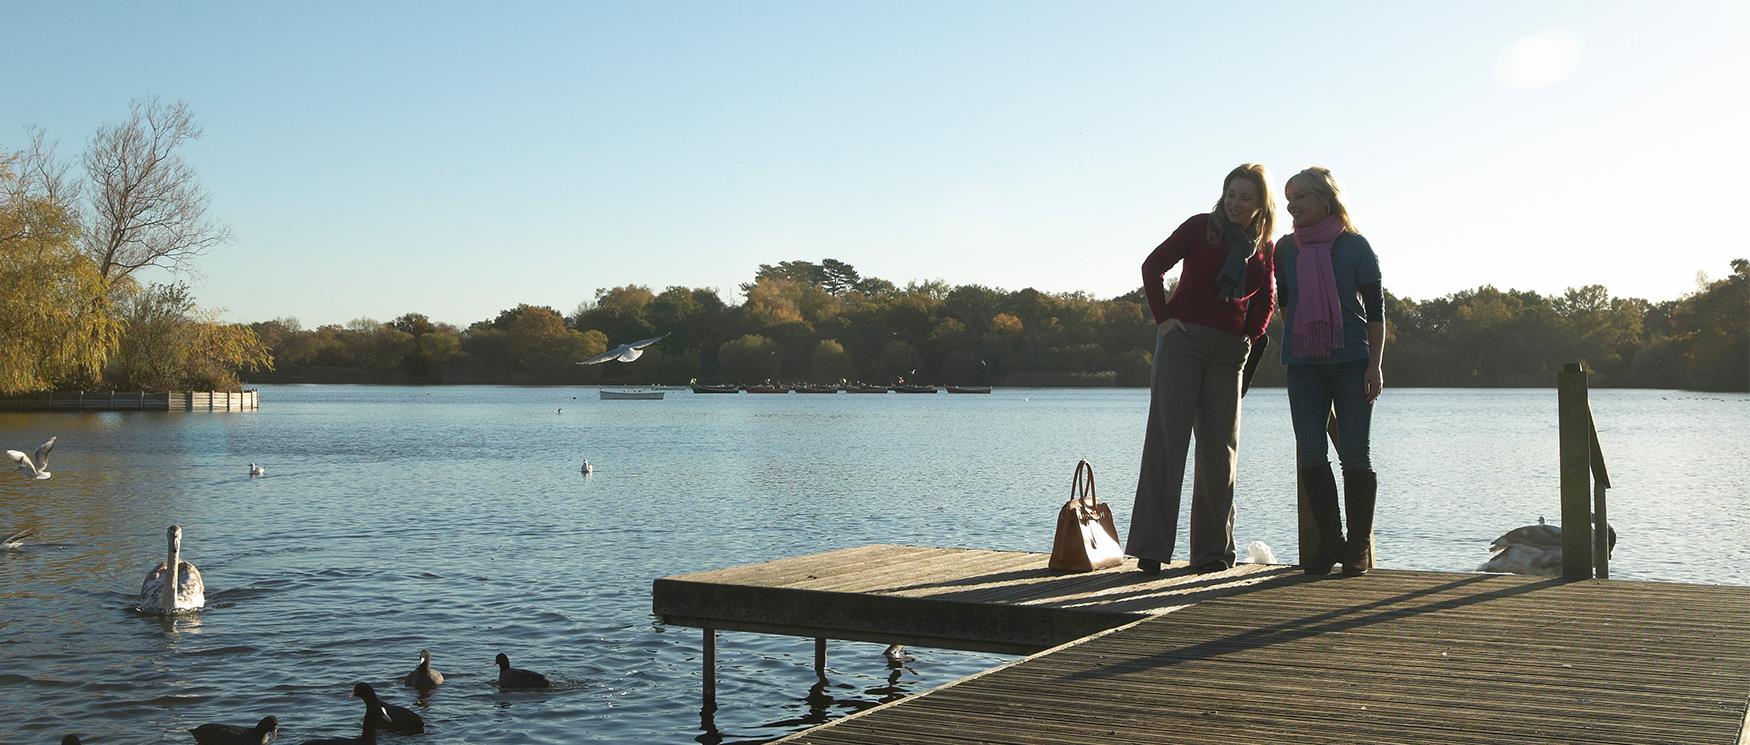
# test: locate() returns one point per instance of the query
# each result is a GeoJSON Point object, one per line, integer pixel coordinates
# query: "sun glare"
{"type": "Point", "coordinates": [1539, 60]}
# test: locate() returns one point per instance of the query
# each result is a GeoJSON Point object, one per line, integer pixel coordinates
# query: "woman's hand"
{"type": "Point", "coordinates": [1373, 383]}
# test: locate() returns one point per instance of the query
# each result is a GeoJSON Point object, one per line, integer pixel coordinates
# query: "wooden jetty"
{"type": "Point", "coordinates": [1261, 653]}
{"type": "Point", "coordinates": [1258, 653]}
{"type": "Point", "coordinates": [243, 400]}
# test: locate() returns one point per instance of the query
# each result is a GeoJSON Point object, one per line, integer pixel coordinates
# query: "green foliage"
{"type": "Point", "coordinates": [823, 322]}
{"type": "Point", "coordinates": [751, 358]}
{"type": "Point", "coordinates": [169, 343]}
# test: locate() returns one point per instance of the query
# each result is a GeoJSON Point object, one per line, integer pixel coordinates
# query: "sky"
{"type": "Point", "coordinates": [457, 159]}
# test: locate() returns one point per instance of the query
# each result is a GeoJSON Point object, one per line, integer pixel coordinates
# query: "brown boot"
{"type": "Point", "coordinates": [1321, 498]}
{"type": "Point", "coordinates": [1360, 489]}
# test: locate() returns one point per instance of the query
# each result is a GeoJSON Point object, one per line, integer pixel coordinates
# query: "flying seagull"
{"type": "Point", "coordinates": [624, 352]}
{"type": "Point", "coordinates": [37, 467]}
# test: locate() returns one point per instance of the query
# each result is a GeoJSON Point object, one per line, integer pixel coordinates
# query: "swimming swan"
{"type": "Point", "coordinates": [174, 585]}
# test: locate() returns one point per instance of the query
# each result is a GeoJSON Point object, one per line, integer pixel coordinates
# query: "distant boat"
{"type": "Point", "coordinates": [722, 388]}
{"type": "Point", "coordinates": [766, 388]}
{"type": "Point", "coordinates": [861, 388]}
{"type": "Point", "coordinates": [816, 388]}
{"type": "Point", "coordinates": [909, 388]}
{"type": "Point", "coordinates": [634, 394]}
{"type": "Point", "coordinates": [969, 389]}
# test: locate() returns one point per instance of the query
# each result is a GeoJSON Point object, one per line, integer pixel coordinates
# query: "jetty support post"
{"type": "Point", "coordinates": [709, 704]}
{"type": "Point", "coordinates": [820, 657]}
{"type": "Point", "coordinates": [1574, 422]}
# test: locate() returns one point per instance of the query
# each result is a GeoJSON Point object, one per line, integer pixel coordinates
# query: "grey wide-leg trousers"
{"type": "Point", "coordinates": [1195, 387]}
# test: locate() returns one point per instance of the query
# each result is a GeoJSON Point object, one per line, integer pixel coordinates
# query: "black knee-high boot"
{"type": "Point", "coordinates": [1360, 489]}
{"type": "Point", "coordinates": [1321, 498]}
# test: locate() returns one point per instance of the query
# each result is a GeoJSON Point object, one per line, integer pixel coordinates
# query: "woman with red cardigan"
{"type": "Point", "coordinates": [1203, 335]}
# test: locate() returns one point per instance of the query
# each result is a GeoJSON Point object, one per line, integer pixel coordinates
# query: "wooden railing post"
{"type": "Point", "coordinates": [1600, 481]}
{"type": "Point", "coordinates": [1574, 420]}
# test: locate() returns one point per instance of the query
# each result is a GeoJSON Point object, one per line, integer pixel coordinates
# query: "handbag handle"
{"type": "Point", "coordinates": [1083, 492]}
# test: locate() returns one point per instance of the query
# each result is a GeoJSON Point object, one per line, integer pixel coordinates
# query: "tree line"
{"type": "Point", "coordinates": [824, 322]}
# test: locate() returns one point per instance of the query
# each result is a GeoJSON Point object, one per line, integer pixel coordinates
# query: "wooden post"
{"type": "Point", "coordinates": [1576, 471]}
{"type": "Point", "coordinates": [820, 657]}
{"type": "Point", "coordinates": [710, 699]}
{"type": "Point", "coordinates": [1600, 482]}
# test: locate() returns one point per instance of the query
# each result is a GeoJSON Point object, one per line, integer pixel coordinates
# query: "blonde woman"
{"type": "Point", "coordinates": [1203, 334]}
{"type": "Point", "coordinates": [1333, 313]}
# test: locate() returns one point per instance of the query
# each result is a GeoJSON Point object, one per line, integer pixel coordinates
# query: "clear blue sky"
{"type": "Point", "coordinates": [456, 159]}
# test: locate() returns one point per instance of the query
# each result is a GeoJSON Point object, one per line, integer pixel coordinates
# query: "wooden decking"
{"type": "Point", "coordinates": [1257, 654]}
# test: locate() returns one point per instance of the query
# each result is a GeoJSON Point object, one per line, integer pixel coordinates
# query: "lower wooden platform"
{"type": "Point", "coordinates": [1258, 653]}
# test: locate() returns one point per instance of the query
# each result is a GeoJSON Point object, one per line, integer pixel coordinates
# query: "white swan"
{"type": "Point", "coordinates": [16, 540]}
{"type": "Point", "coordinates": [256, 471]}
{"type": "Point", "coordinates": [1532, 549]}
{"type": "Point", "coordinates": [37, 468]}
{"type": "Point", "coordinates": [174, 585]}
{"type": "Point", "coordinates": [624, 352]}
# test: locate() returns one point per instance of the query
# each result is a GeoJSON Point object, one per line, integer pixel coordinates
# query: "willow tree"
{"type": "Point", "coordinates": [51, 295]}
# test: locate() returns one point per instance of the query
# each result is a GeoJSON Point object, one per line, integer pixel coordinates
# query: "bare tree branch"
{"type": "Point", "coordinates": [146, 206]}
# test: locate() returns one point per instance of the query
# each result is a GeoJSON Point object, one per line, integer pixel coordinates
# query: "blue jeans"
{"type": "Point", "coordinates": [1313, 390]}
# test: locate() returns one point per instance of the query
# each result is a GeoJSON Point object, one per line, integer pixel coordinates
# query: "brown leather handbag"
{"type": "Point", "coordinates": [1086, 538]}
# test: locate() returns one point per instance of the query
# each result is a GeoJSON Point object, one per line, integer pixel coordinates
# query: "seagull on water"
{"type": "Point", "coordinates": [36, 467]}
{"type": "Point", "coordinates": [16, 540]}
{"type": "Point", "coordinates": [624, 352]}
{"type": "Point", "coordinates": [256, 471]}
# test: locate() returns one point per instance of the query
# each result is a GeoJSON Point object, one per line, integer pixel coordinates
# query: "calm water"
{"type": "Point", "coordinates": [456, 519]}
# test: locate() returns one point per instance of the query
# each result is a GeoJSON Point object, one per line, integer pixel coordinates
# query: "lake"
{"type": "Point", "coordinates": [456, 519]}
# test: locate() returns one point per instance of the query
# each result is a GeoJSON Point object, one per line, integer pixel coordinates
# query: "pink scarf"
{"type": "Point", "coordinates": [1318, 316]}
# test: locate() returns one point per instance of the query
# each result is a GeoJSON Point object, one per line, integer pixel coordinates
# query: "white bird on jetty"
{"type": "Point", "coordinates": [624, 352]}
{"type": "Point", "coordinates": [256, 471]}
{"type": "Point", "coordinates": [16, 540]}
{"type": "Point", "coordinates": [174, 585]}
{"type": "Point", "coordinates": [1532, 549]}
{"type": "Point", "coordinates": [37, 467]}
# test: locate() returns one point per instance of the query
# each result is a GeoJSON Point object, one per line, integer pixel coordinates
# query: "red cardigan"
{"type": "Point", "coordinates": [1195, 300]}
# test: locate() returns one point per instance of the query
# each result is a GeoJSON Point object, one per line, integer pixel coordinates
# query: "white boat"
{"type": "Point", "coordinates": [634, 394]}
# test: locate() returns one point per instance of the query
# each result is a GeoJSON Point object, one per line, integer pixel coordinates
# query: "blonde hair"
{"type": "Point", "coordinates": [1264, 224]}
{"type": "Point", "coordinates": [1320, 182]}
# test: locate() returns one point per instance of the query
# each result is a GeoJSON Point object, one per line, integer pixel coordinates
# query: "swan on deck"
{"type": "Point", "coordinates": [1532, 549]}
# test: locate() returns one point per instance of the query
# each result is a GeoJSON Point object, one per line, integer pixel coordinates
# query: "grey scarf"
{"type": "Point", "coordinates": [1230, 284]}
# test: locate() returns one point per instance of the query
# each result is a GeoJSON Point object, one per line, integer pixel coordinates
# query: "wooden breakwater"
{"type": "Point", "coordinates": [241, 400]}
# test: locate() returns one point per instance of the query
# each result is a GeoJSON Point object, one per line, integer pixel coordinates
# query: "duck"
{"type": "Point", "coordinates": [1533, 549]}
{"type": "Point", "coordinates": [231, 734]}
{"type": "Point", "coordinates": [397, 719]}
{"type": "Point", "coordinates": [510, 677]}
{"type": "Point", "coordinates": [35, 466]}
{"type": "Point", "coordinates": [256, 471]}
{"type": "Point", "coordinates": [423, 677]}
{"type": "Point", "coordinates": [174, 585]}
{"type": "Point", "coordinates": [588, 468]}
{"type": "Point", "coordinates": [70, 740]}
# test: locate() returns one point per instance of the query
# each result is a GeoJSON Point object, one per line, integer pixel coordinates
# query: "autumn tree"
{"type": "Point", "coordinates": [51, 295]}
